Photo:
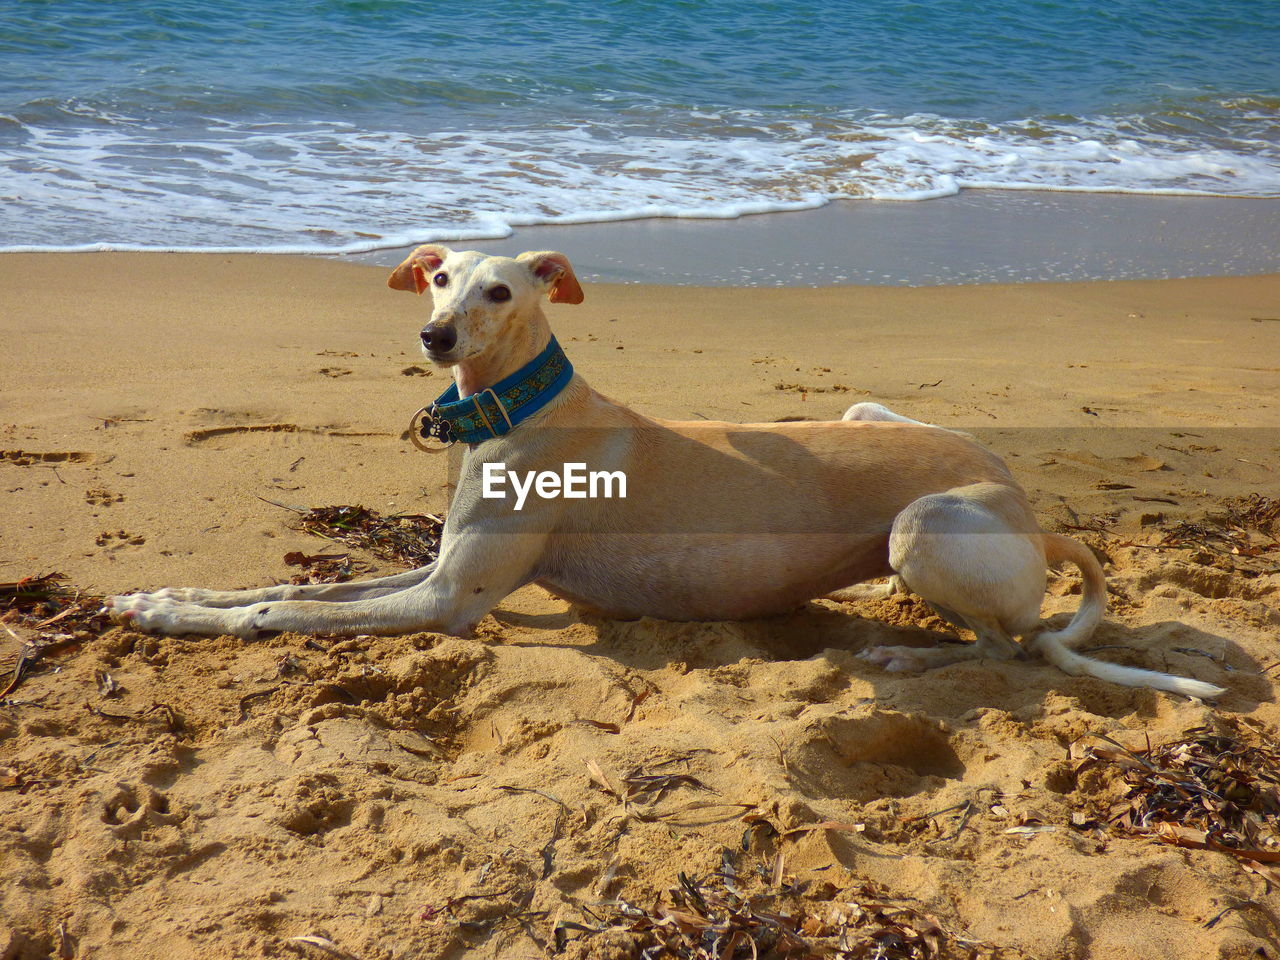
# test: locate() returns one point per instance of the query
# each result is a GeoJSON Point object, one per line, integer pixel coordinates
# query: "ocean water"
{"type": "Point", "coordinates": [354, 125]}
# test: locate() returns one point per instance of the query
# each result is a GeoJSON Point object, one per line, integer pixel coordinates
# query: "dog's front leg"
{"type": "Point", "coordinates": [473, 573]}
{"type": "Point", "coordinates": [358, 590]}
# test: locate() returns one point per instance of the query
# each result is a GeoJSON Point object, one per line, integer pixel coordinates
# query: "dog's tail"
{"type": "Point", "coordinates": [1056, 645]}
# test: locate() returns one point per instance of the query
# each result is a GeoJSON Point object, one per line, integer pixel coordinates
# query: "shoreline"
{"type": "Point", "coordinates": [977, 236]}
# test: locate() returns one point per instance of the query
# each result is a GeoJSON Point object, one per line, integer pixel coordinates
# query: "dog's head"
{"type": "Point", "coordinates": [481, 301]}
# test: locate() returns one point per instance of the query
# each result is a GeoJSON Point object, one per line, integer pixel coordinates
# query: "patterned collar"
{"type": "Point", "coordinates": [497, 410]}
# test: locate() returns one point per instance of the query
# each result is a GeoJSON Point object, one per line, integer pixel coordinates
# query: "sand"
{"type": "Point", "coordinates": [438, 797]}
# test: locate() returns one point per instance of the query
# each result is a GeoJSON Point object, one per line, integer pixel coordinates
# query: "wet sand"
{"type": "Point", "coordinates": [978, 236]}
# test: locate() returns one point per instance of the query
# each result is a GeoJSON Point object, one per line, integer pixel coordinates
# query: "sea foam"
{"type": "Point", "coordinates": [114, 182]}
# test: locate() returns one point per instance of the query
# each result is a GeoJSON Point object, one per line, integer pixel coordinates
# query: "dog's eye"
{"type": "Point", "coordinates": [441, 279]}
{"type": "Point", "coordinates": [500, 294]}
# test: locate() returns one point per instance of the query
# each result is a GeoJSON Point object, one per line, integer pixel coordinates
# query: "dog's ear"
{"type": "Point", "coordinates": [555, 271]}
{"type": "Point", "coordinates": [412, 274]}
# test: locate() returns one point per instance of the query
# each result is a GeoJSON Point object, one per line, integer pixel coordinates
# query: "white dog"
{"type": "Point", "coordinates": [720, 521]}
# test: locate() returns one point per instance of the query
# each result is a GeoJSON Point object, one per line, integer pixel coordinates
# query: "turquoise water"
{"type": "Point", "coordinates": [342, 126]}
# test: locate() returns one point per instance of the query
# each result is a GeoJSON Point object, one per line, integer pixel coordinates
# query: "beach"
{"type": "Point", "coordinates": [1050, 226]}
{"type": "Point", "coordinates": [166, 415]}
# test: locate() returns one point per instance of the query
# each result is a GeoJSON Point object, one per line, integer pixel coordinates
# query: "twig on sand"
{"type": "Point", "coordinates": [250, 697]}
{"type": "Point", "coordinates": [283, 506]}
{"type": "Point", "coordinates": [31, 653]}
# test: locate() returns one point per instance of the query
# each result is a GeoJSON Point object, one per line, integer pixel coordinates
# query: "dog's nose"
{"type": "Point", "coordinates": [439, 338]}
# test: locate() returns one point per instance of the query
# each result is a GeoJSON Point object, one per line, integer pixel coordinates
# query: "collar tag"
{"type": "Point", "coordinates": [425, 425]}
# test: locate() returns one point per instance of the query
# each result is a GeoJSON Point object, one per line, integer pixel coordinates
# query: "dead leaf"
{"type": "Point", "coordinates": [601, 780]}
{"type": "Point", "coordinates": [107, 686]}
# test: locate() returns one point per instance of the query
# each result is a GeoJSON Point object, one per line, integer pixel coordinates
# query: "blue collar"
{"type": "Point", "coordinates": [497, 410]}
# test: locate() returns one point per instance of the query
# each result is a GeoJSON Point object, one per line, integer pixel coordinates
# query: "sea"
{"type": "Point", "coordinates": [347, 126]}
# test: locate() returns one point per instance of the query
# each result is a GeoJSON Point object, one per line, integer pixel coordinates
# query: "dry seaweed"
{"type": "Point", "coordinates": [1246, 533]}
{"type": "Point", "coordinates": [41, 601]}
{"type": "Point", "coordinates": [323, 567]}
{"type": "Point", "coordinates": [650, 788]}
{"type": "Point", "coordinates": [641, 793]}
{"type": "Point", "coordinates": [713, 918]}
{"type": "Point", "coordinates": [58, 616]}
{"type": "Point", "coordinates": [1206, 790]}
{"type": "Point", "coordinates": [409, 539]}
{"type": "Point", "coordinates": [32, 589]}
{"type": "Point", "coordinates": [517, 911]}
{"type": "Point", "coordinates": [1259, 513]}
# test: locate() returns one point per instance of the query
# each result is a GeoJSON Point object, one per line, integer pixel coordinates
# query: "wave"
{"type": "Point", "coordinates": [80, 179]}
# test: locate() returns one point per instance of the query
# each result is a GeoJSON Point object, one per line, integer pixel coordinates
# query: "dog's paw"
{"type": "Point", "coordinates": [156, 613]}
{"type": "Point", "coordinates": [147, 611]}
{"type": "Point", "coordinates": [118, 606]}
{"type": "Point", "coordinates": [897, 659]}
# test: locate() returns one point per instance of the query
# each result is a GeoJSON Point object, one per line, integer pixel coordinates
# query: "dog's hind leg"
{"type": "Point", "coordinates": [992, 644]}
{"type": "Point", "coordinates": [867, 591]}
{"type": "Point", "coordinates": [978, 553]}
{"type": "Point", "coordinates": [882, 591]}
{"type": "Point", "coordinates": [974, 555]}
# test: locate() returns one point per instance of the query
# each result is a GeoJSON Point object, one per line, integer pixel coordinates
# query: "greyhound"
{"type": "Point", "coordinates": [720, 521]}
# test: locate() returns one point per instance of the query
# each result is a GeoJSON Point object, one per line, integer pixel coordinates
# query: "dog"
{"type": "Point", "coordinates": [720, 521]}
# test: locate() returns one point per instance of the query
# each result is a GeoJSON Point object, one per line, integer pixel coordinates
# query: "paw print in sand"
{"type": "Point", "coordinates": [102, 497]}
{"type": "Point", "coordinates": [120, 538]}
